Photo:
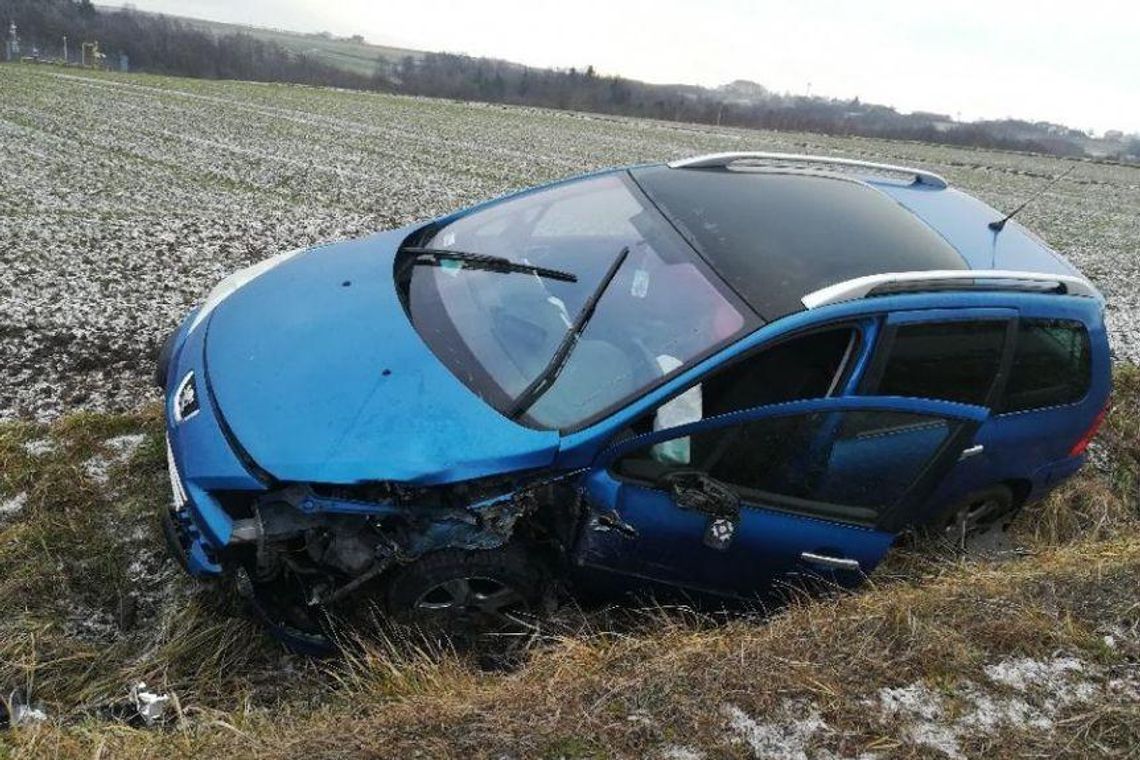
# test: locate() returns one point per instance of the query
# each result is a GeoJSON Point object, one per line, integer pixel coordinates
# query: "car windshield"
{"type": "Point", "coordinates": [499, 327]}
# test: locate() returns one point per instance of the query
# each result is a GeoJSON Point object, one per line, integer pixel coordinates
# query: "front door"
{"type": "Point", "coordinates": [752, 501]}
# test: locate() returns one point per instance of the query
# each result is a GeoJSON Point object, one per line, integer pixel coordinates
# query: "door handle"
{"type": "Point", "coordinates": [838, 563]}
{"type": "Point", "coordinates": [973, 451]}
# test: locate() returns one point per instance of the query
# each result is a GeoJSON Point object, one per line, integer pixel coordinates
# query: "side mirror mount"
{"type": "Point", "coordinates": [695, 490]}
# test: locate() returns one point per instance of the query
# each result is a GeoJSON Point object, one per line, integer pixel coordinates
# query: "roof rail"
{"type": "Point", "coordinates": [948, 279]}
{"type": "Point", "coordinates": [921, 177]}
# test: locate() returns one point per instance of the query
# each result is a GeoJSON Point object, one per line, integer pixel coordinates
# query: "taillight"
{"type": "Point", "coordinates": [1083, 442]}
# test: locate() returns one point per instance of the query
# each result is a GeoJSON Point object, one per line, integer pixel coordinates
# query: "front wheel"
{"type": "Point", "coordinates": [465, 593]}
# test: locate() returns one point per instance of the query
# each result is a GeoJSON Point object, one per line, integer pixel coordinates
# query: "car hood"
{"type": "Point", "coordinates": [320, 377]}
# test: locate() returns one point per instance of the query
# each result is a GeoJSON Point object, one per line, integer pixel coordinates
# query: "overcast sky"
{"type": "Point", "coordinates": [1077, 63]}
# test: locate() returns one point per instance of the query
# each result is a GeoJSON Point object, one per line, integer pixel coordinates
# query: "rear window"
{"type": "Point", "coordinates": [1051, 365]}
{"type": "Point", "coordinates": [950, 361]}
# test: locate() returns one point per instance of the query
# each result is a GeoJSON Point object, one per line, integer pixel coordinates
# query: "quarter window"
{"type": "Point", "coordinates": [950, 361]}
{"type": "Point", "coordinates": [1051, 365]}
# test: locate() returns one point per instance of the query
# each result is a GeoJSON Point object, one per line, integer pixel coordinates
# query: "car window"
{"type": "Point", "coordinates": [809, 366]}
{"type": "Point", "coordinates": [949, 361]}
{"type": "Point", "coordinates": [1052, 365]}
{"type": "Point", "coordinates": [590, 215]}
{"type": "Point", "coordinates": [497, 332]}
{"type": "Point", "coordinates": [847, 465]}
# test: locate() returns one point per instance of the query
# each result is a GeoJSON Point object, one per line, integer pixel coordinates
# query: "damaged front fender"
{"type": "Point", "coordinates": [340, 537]}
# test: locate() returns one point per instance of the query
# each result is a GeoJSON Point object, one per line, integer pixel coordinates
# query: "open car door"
{"type": "Point", "coordinates": [746, 503]}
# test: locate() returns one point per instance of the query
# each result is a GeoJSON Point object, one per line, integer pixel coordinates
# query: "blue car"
{"type": "Point", "coordinates": [718, 377]}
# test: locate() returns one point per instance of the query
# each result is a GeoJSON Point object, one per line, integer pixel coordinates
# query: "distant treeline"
{"type": "Point", "coordinates": [741, 104]}
{"type": "Point", "coordinates": [164, 45]}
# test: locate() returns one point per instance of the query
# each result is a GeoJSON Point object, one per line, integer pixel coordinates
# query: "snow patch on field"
{"type": "Point", "coordinates": [1024, 673]}
{"type": "Point", "coordinates": [1019, 694]}
{"type": "Point", "coordinates": [40, 447]}
{"type": "Point", "coordinates": [120, 449]}
{"type": "Point", "coordinates": [785, 739]}
{"type": "Point", "coordinates": [1053, 684]}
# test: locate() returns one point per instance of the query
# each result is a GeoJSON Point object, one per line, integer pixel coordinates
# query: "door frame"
{"type": "Point", "coordinates": [893, 518]}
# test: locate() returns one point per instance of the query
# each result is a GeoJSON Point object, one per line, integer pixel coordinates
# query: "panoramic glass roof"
{"type": "Point", "coordinates": [776, 237]}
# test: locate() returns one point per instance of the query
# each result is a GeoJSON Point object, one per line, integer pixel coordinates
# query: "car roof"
{"type": "Point", "coordinates": [779, 234]}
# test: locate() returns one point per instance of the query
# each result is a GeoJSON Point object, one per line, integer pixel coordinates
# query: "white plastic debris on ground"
{"type": "Point", "coordinates": [22, 714]}
{"type": "Point", "coordinates": [150, 706]}
{"type": "Point", "coordinates": [14, 506]}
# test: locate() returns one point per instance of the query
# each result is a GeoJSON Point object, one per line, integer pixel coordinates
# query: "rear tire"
{"type": "Point", "coordinates": [974, 515]}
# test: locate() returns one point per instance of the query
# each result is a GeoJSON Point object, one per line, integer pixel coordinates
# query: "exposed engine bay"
{"type": "Point", "coordinates": [332, 542]}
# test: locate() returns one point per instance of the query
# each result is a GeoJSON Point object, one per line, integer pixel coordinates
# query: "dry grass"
{"type": "Point", "coordinates": [594, 688]}
{"type": "Point", "coordinates": [1106, 501]}
{"type": "Point", "coordinates": [605, 694]}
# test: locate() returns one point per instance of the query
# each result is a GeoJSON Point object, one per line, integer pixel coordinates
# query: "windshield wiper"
{"type": "Point", "coordinates": [554, 367]}
{"type": "Point", "coordinates": [491, 263]}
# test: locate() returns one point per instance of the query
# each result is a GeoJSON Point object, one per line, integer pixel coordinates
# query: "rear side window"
{"type": "Point", "coordinates": [1052, 365]}
{"type": "Point", "coordinates": [950, 361]}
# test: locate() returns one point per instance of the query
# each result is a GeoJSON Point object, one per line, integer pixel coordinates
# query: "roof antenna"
{"type": "Point", "coordinates": [999, 225]}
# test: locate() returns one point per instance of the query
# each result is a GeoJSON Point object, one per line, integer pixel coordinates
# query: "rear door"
{"type": "Point", "coordinates": [745, 503]}
{"type": "Point", "coordinates": [959, 355]}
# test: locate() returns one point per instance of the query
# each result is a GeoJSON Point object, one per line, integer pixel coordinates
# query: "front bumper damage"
{"type": "Point", "coordinates": [227, 514]}
{"type": "Point", "coordinates": [183, 538]}
{"type": "Point", "coordinates": [200, 463]}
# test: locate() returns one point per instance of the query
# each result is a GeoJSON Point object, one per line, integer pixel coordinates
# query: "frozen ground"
{"type": "Point", "coordinates": [123, 199]}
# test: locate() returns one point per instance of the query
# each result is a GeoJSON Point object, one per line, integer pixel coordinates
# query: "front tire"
{"type": "Point", "coordinates": [465, 593]}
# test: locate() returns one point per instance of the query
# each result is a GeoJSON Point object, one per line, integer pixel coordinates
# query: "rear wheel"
{"type": "Point", "coordinates": [978, 513]}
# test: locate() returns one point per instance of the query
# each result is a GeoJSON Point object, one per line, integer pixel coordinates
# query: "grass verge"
{"type": "Point", "coordinates": [1035, 651]}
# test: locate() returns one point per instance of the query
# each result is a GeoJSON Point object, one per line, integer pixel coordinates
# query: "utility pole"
{"type": "Point", "coordinates": [65, 48]}
{"type": "Point", "coordinates": [13, 42]}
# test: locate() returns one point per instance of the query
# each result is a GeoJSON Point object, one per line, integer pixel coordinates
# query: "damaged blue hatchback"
{"type": "Point", "coordinates": [718, 377]}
